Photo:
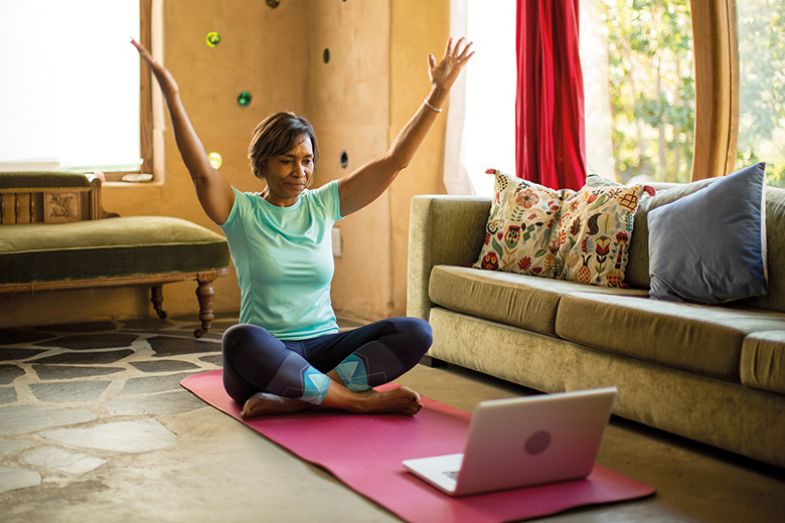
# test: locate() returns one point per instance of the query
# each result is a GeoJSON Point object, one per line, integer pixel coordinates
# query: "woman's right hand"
{"type": "Point", "coordinates": [162, 74]}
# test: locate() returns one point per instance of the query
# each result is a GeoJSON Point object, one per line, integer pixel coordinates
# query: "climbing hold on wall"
{"type": "Point", "coordinates": [344, 160]}
{"type": "Point", "coordinates": [216, 160]}
{"type": "Point", "coordinates": [273, 3]}
{"type": "Point", "coordinates": [212, 39]}
{"type": "Point", "coordinates": [244, 99]}
{"type": "Point", "coordinates": [326, 55]}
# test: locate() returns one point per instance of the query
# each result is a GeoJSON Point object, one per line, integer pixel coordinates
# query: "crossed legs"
{"type": "Point", "coordinates": [268, 375]}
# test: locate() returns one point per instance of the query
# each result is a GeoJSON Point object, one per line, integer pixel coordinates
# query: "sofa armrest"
{"type": "Point", "coordinates": [445, 230]}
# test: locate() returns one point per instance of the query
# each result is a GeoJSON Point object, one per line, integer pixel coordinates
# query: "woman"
{"type": "Point", "coordinates": [286, 354]}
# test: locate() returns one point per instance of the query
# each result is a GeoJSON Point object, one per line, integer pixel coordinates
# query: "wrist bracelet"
{"type": "Point", "coordinates": [431, 107]}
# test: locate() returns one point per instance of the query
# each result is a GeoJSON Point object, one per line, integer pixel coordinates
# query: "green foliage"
{"type": "Point", "coordinates": [762, 90]}
{"type": "Point", "coordinates": [652, 89]}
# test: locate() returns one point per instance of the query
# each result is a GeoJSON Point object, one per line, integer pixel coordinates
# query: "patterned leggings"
{"type": "Point", "coordinates": [256, 361]}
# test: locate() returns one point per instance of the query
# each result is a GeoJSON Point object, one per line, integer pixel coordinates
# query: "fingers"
{"type": "Point", "coordinates": [459, 51]}
{"type": "Point", "coordinates": [454, 53]}
{"type": "Point", "coordinates": [448, 49]}
{"type": "Point", "coordinates": [137, 45]}
{"type": "Point", "coordinates": [465, 53]}
{"type": "Point", "coordinates": [431, 61]}
{"type": "Point", "coordinates": [142, 51]}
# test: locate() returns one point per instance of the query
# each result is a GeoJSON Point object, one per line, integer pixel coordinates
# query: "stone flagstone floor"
{"type": "Point", "coordinates": [110, 378]}
{"type": "Point", "coordinates": [74, 396]}
{"type": "Point", "coordinates": [94, 426]}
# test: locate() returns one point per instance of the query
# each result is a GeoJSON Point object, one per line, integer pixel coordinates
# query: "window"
{"type": "Point", "coordinates": [762, 86]}
{"type": "Point", "coordinates": [639, 89]}
{"type": "Point", "coordinates": [489, 125]}
{"type": "Point", "coordinates": [661, 104]}
{"type": "Point", "coordinates": [70, 96]}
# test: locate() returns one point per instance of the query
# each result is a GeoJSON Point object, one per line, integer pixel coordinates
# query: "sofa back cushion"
{"type": "Point", "coordinates": [637, 273]}
{"type": "Point", "coordinates": [775, 248]}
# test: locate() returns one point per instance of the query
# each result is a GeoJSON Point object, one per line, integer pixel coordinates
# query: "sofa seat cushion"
{"type": "Point", "coordinates": [702, 339]}
{"type": "Point", "coordinates": [524, 301]}
{"type": "Point", "coordinates": [763, 361]}
{"type": "Point", "coordinates": [129, 245]}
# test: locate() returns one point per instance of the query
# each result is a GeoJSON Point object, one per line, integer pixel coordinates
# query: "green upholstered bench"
{"type": "Point", "coordinates": [54, 236]}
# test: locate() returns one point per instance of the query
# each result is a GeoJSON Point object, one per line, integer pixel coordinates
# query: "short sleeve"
{"type": "Point", "coordinates": [329, 198]}
{"type": "Point", "coordinates": [239, 208]}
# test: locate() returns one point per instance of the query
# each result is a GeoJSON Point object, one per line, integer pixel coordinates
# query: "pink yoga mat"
{"type": "Point", "coordinates": [365, 453]}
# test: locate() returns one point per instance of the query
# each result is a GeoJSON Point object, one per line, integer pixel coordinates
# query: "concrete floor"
{"type": "Point", "coordinates": [94, 427]}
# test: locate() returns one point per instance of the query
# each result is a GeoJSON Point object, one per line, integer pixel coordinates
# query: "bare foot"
{"type": "Point", "coordinates": [402, 400]}
{"type": "Point", "coordinates": [263, 403]}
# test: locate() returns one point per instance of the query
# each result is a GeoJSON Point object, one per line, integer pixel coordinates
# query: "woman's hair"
{"type": "Point", "coordinates": [276, 135]}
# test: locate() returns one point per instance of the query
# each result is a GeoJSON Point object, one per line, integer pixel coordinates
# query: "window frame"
{"type": "Point", "coordinates": [716, 56]}
{"type": "Point", "coordinates": [145, 89]}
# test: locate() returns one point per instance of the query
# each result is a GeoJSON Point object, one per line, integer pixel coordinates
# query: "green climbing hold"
{"type": "Point", "coordinates": [212, 39]}
{"type": "Point", "coordinates": [244, 99]}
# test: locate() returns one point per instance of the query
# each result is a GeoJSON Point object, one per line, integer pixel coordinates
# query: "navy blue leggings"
{"type": "Point", "coordinates": [256, 361]}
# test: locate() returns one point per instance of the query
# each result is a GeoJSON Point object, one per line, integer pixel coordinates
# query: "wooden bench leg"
{"type": "Point", "coordinates": [205, 293]}
{"type": "Point", "coordinates": [157, 297]}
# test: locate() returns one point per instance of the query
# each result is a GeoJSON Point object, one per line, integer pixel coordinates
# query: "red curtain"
{"type": "Point", "coordinates": [549, 127]}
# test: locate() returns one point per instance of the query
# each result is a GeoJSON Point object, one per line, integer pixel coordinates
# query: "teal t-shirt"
{"type": "Point", "coordinates": [284, 261]}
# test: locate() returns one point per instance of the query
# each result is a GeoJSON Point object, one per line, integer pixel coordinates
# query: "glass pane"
{"type": "Point", "coordinates": [762, 86]}
{"type": "Point", "coordinates": [639, 89]}
{"type": "Point", "coordinates": [74, 98]}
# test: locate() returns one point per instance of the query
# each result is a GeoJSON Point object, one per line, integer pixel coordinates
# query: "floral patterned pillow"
{"type": "Point", "coordinates": [594, 232]}
{"type": "Point", "coordinates": [519, 235]}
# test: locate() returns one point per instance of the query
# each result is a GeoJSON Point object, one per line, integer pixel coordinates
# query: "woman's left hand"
{"type": "Point", "coordinates": [444, 73]}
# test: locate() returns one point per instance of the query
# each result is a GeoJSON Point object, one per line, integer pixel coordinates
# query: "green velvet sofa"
{"type": "Point", "coordinates": [715, 374]}
{"type": "Point", "coordinates": [55, 235]}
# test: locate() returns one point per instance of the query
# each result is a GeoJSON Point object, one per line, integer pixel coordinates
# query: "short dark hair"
{"type": "Point", "coordinates": [276, 135]}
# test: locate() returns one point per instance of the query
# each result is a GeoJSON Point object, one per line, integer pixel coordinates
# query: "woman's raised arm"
{"type": "Point", "coordinates": [214, 192]}
{"type": "Point", "coordinates": [369, 181]}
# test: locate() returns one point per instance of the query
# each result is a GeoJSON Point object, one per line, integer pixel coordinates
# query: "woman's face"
{"type": "Point", "coordinates": [288, 174]}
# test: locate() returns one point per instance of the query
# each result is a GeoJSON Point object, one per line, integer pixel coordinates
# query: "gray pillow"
{"type": "Point", "coordinates": [710, 247]}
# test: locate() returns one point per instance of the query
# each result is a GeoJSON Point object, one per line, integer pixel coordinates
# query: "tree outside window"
{"type": "Point", "coordinates": [762, 86]}
{"type": "Point", "coordinates": [640, 90]}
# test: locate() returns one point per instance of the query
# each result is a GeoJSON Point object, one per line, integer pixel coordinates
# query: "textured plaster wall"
{"type": "Point", "coordinates": [374, 81]}
{"type": "Point", "coordinates": [417, 28]}
{"type": "Point", "coordinates": [348, 103]}
{"type": "Point", "coordinates": [260, 52]}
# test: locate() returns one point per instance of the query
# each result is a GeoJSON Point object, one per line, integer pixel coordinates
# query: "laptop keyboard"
{"type": "Point", "coordinates": [452, 474]}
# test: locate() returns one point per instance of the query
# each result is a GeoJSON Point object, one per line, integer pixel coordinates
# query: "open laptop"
{"type": "Point", "coordinates": [523, 441]}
